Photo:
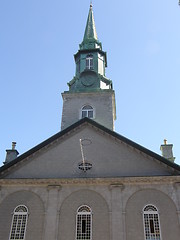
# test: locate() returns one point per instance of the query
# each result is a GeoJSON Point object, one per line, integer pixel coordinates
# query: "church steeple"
{"type": "Point", "coordinates": [90, 91]}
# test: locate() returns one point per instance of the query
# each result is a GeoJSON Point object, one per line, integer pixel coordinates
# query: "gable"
{"type": "Point", "coordinates": [109, 156]}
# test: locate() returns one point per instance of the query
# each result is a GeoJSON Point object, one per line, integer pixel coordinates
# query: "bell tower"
{"type": "Point", "coordinates": [90, 92]}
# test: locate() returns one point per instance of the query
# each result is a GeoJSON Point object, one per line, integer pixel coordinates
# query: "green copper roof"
{"type": "Point", "coordinates": [90, 32]}
{"type": "Point", "coordinates": [90, 40]}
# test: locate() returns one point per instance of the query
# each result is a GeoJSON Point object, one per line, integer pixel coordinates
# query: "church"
{"type": "Point", "coordinates": [88, 182]}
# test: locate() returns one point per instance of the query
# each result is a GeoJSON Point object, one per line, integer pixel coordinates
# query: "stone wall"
{"type": "Point", "coordinates": [103, 104]}
{"type": "Point", "coordinates": [116, 207]}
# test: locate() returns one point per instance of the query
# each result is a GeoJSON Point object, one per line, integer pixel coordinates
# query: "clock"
{"type": "Point", "coordinates": [88, 78]}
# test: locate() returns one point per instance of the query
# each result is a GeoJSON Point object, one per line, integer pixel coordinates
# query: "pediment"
{"type": "Point", "coordinates": [106, 153]}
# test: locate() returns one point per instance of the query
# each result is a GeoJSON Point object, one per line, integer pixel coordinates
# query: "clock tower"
{"type": "Point", "coordinates": [90, 92]}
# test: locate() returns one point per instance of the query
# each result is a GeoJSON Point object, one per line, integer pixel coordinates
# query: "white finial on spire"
{"type": "Point", "coordinates": [90, 3]}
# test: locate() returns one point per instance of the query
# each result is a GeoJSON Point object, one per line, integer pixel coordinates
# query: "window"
{"type": "Point", "coordinates": [84, 223]}
{"type": "Point", "coordinates": [87, 111]}
{"type": "Point", "coordinates": [89, 62]}
{"type": "Point", "coordinates": [151, 223]}
{"type": "Point", "coordinates": [19, 222]}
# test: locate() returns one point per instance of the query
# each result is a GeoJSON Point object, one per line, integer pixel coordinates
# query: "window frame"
{"type": "Point", "coordinates": [80, 215]}
{"type": "Point", "coordinates": [89, 62]}
{"type": "Point", "coordinates": [151, 223]}
{"type": "Point", "coordinates": [18, 219]}
{"type": "Point", "coordinates": [88, 109]}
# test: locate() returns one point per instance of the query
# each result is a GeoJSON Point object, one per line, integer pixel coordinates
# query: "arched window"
{"type": "Point", "coordinates": [84, 223]}
{"type": "Point", "coordinates": [89, 61]}
{"type": "Point", "coordinates": [19, 222]}
{"type": "Point", "coordinates": [151, 223]}
{"type": "Point", "coordinates": [87, 111]}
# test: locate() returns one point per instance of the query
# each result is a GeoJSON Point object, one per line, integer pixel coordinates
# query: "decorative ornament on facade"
{"type": "Point", "coordinates": [84, 165]}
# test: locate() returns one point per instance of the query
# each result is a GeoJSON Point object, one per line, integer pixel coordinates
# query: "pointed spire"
{"type": "Point", "coordinates": [90, 39]}
{"type": "Point", "coordinates": [90, 32]}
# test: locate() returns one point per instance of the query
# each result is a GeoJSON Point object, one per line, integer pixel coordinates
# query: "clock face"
{"type": "Point", "coordinates": [88, 79]}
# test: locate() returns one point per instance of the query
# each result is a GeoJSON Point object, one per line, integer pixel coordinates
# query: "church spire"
{"type": "Point", "coordinates": [90, 31]}
{"type": "Point", "coordinates": [90, 39]}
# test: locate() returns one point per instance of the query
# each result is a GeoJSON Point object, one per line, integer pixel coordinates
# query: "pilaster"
{"type": "Point", "coordinates": [51, 218]}
{"type": "Point", "coordinates": [177, 191]}
{"type": "Point", "coordinates": [117, 216]}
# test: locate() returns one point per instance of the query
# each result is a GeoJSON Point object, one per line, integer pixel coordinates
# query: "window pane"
{"type": "Point", "coordinates": [151, 226]}
{"type": "Point", "coordinates": [91, 63]}
{"type": "Point", "coordinates": [87, 107]}
{"type": "Point", "coordinates": [84, 114]}
{"type": "Point", "coordinates": [87, 63]}
{"type": "Point", "coordinates": [83, 226]}
{"type": "Point", "coordinates": [90, 114]}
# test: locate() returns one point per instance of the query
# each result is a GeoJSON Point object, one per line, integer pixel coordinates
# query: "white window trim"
{"type": "Point", "coordinates": [15, 214]}
{"type": "Point", "coordinates": [93, 108]}
{"type": "Point", "coordinates": [89, 58]}
{"type": "Point", "coordinates": [159, 225]}
{"type": "Point", "coordinates": [84, 213]}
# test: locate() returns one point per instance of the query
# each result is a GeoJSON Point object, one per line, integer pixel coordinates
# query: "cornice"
{"type": "Point", "coordinates": [68, 94]}
{"type": "Point", "coordinates": [92, 181]}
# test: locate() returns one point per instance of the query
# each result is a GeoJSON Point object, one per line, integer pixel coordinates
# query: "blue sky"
{"type": "Point", "coordinates": [37, 41]}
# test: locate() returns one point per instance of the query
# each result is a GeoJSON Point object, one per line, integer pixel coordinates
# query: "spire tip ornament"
{"type": "Point", "coordinates": [92, 5]}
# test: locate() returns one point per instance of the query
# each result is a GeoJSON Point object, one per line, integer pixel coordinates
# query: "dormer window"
{"type": "Point", "coordinates": [87, 111]}
{"type": "Point", "coordinates": [89, 61]}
